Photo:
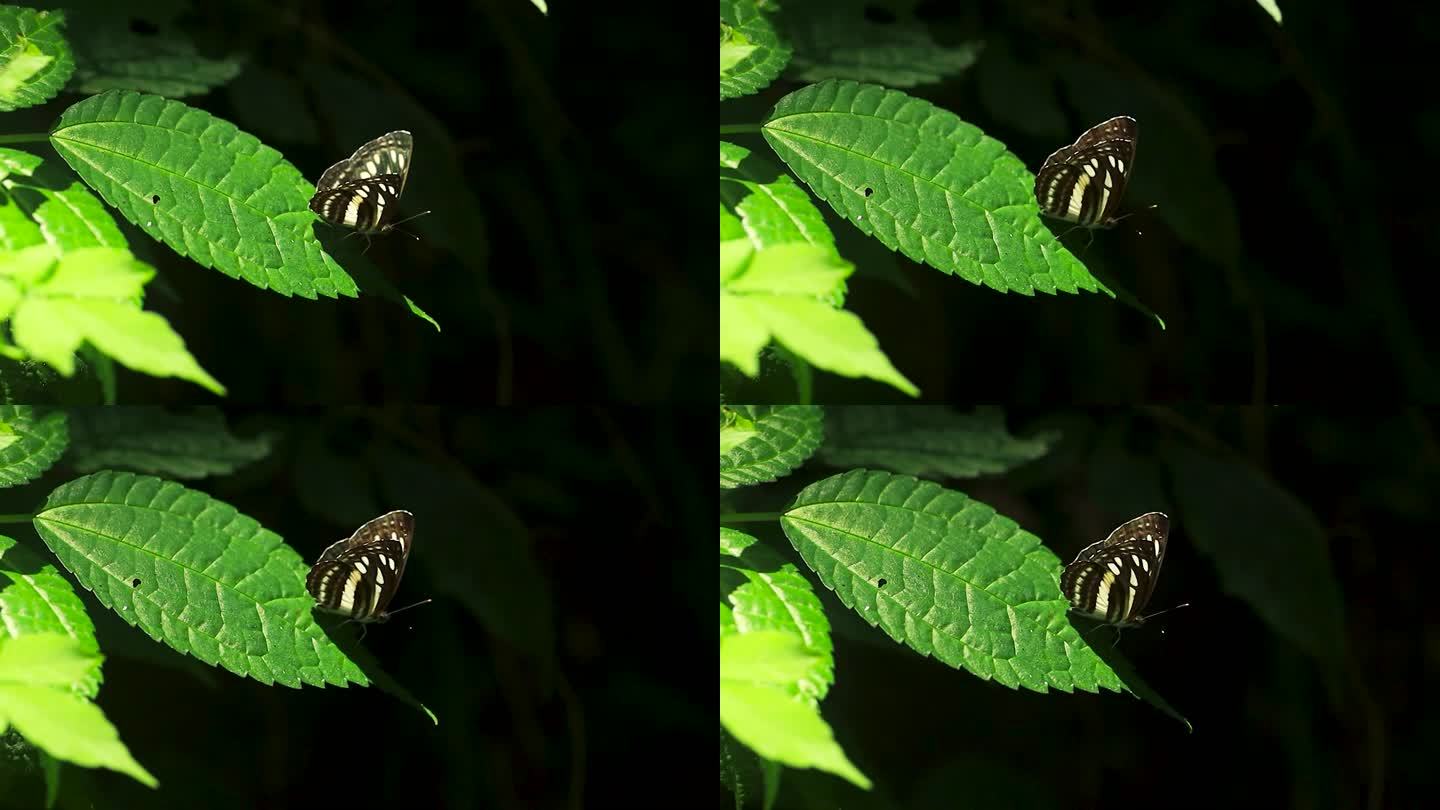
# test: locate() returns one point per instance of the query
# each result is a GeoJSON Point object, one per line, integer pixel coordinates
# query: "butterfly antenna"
{"type": "Point", "coordinates": [425, 601]}
{"type": "Point", "coordinates": [1167, 610]}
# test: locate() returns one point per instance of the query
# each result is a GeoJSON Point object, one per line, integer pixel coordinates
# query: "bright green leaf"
{"type": "Point", "coordinates": [36, 599]}
{"type": "Point", "coordinates": [15, 161]}
{"type": "Point", "coordinates": [21, 67]}
{"type": "Point", "coordinates": [90, 295]}
{"type": "Point", "coordinates": [44, 659]}
{"type": "Point", "coordinates": [69, 728]}
{"type": "Point", "coordinates": [767, 593]}
{"type": "Point", "coordinates": [69, 215]}
{"type": "Point", "coordinates": [40, 439]}
{"type": "Point", "coordinates": [203, 187]}
{"type": "Point", "coordinates": [963, 584]}
{"type": "Point", "coordinates": [785, 302]}
{"type": "Point", "coordinates": [1271, 8]}
{"type": "Point", "coordinates": [786, 436]}
{"type": "Point", "coordinates": [926, 440]}
{"type": "Point", "coordinates": [924, 182]}
{"type": "Point", "coordinates": [743, 25]}
{"type": "Point", "coordinates": [35, 60]}
{"type": "Point", "coordinates": [193, 572]}
{"type": "Point", "coordinates": [767, 203]}
{"type": "Point", "coordinates": [764, 717]}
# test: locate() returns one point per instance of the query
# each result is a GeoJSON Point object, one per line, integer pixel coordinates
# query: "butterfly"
{"type": "Point", "coordinates": [363, 190]}
{"type": "Point", "coordinates": [1083, 182]}
{"type": "Point", "coordinates": [358, 576]}
{"type": "Point", "coordinates": [1110, 581]}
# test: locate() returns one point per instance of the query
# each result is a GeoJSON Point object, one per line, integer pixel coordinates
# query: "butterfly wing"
{"type": "Point", "coordinates": [360, 191]}
{"type": "Point", "coordinates": [1111, 581]}
{"type": "Point", "coordinates": [357, 577]}
{"type": "Point", "coordinates": [1085, 181]}
{"type": "Point", "coordinates": [388, 154]}
{"type": "Point", "coordinates": [364, 205]}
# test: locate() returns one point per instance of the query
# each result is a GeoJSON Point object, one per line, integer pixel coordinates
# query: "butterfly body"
{"type": "Point", "coordinates": [363, 191]}
{"type": "Point", "coordinates": [1084, 182]}
{"type": "Point", "coordinates": [1111, 581]}
{"type": "Point", "coordinates": [358, 576]}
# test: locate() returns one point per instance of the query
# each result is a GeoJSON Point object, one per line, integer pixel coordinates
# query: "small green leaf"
{"type": "Point", "coordinates": [1271, 8]}
{"type": "Point", "coordinates": [224, 199]}
{"type": "Point", "coordinates": [964, 584]}
{"type": "Point", "coordinates": [927, 440]}
{"type": "Point", "coordinates": [21, 67]}
{"type": "Point", "coordinates": [44, 659]}
{"type": "Point", "coordinates": [742, 25]}
{"type": "Point", "coordinates": [69, 215]}
{"type": "Point", "coordinates": [786, 436]}
{"type": "Point", "coordinates": [193, 572]}
{"type": "Point", "coordinates": [763, 717]}
{"type": "Point", "coordinates": [769, 206]}
{"type": "Point", "coordinates": [924, 182]}
{"type": "Point", "coordinates": [145, 439]}
{"type": "Point", "coordinates": [63, 725]}
{"type": "Point", "coordinates": [92, 295]}
{"type": "Point", "coordinates": [40, 438]}
{"type": "Point", "coordinates": [16, 161]}
{"type": "Point", "coordinates": [35, 599]}
{"type": "Point", "coordinates": [781, 294]}
{"type": "Point", "coordinates": [735, 430]}
{"type": "Point", "coordinates": [763, 592]}
{"type": "Point", "coordinates": [35, 60]}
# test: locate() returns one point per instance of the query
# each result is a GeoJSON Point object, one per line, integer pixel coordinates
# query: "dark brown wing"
{"type": "Point", "coordinates": [358, 576]}
{"type": "Point", "coordinates": [1085, 182]}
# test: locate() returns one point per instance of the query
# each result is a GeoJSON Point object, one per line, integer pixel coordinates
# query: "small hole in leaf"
{"type": "Point", "coordinates": [154, 199]}
{"type": "Point", "coordinates": [882, 582]}
{"type": "Point", "coordinates": [869, 191]}
{"type": "Point", "coordinates": [135, 583]}
{"type": "Point", "coordinates": [139, 26]}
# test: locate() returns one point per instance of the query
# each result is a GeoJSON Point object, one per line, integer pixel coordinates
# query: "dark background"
{"type": "Point", "coordinates": [1287, 254]}
{"type": "Point", "coordinates": [1302, 539]}
{"type": "Point", "coordinates": [553, 654]}
{"type": "Point", "coordinates": [547, 261]}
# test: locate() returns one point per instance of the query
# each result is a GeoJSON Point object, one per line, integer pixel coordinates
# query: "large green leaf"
{"type": "Point", "coordinates": [146, 439]}
{"type": "Point", "coordinates": [946, 576]}
{"type": "Point", "coordinates": [193, 572]}
{"type": "Point", "coordinates": [35, 599]}
{"type": "Point", "coordinates": [203, 187]}
{"type": "Point", "coordinates": [35, 60]}
{"type": "Point", "coordinates": [926, 183]}
{"type": "Point", "coordinates": [30, 441]}
{"type": "Point", "coordinates": [752, 54]}
{"type": "Point", "coordinates": [926, 440]}
{"type": "Point", "coordinates": [786, 435]}
{"type": "Point", "coordinates": [760, 591]}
